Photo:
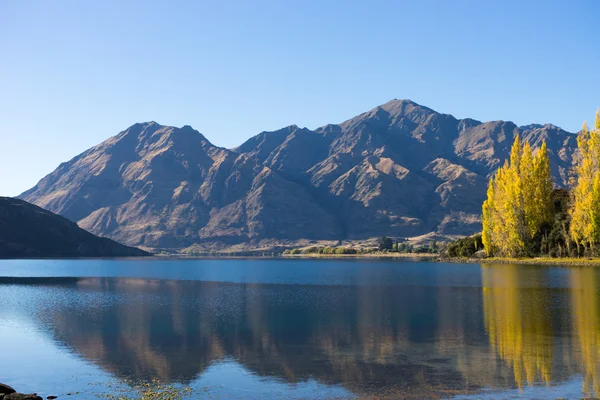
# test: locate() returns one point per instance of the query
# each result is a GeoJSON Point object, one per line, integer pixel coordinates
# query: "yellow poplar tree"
{"type": "Point", "coordinates": [529, 206]}
{"type": "Point", "coordinates": [488, 217]}
{"type": "Point", "coordinates": [518, 201]}
{"type": "Point", "coordinates": [585, 209]}
{"type": "Point", "coordinates": [542, 189]}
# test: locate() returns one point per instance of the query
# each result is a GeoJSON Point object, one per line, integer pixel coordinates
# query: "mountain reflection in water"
{"type": "Point", "coordinates": [518, 329]}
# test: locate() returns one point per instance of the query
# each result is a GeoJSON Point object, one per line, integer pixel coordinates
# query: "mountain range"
{"type": "Point", "coordinates": [400, 169]}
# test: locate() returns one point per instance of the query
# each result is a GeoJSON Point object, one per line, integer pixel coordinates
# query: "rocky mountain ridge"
{"type": "Point", "coordinates": [400, 169]}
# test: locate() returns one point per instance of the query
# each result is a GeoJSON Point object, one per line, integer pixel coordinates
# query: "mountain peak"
{"type": "Point", "coordinates": [401, 101]}
{"type": "Point", "coordinates": [404, 106]}
{"type": "Point", "coordinates": [152, 131]}
{"type": "Point", "coordinates": [539, 126]}
{"type": "Point", "coordinates": [390, 113]}
{"type": "Point", "coordinates": [143, 125]}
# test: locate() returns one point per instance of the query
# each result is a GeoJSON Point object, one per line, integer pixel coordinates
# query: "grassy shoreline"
{"type": "Point", "coordinates": [364, 255]}
{"type": "Point", "coordinates": [583, 261]}
{"type": "Point", "coordinates": [419, 256]}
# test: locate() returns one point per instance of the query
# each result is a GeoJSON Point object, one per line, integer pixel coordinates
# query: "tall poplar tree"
{"type": "Point", "coordinates": [542, 191]}
{"type": "Point", "coordinates": [488, 218]}
{"type": "Point", "coordinates": [585, 208]}
{"type": "Point", "coordinates": [518, 201]}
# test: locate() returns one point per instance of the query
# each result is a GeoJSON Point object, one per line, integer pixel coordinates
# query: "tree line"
{"type": "Point", "coordinates": [385, 244]}
{"type": "Point", "coordinates": [524, 215]}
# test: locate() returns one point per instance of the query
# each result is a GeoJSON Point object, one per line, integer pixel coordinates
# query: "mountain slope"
{"type": "Point", "coordinates": [403, 169]}
{"type": "Point", "coordinates": [166, 187]}
{"type": "Point", "coordinates": [29, 231]}
{"type": "Point", "coordinates": [400, 169]}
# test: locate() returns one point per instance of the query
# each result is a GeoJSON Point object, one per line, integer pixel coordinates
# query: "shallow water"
{"type": "Point", "coordinates": [301, 328]}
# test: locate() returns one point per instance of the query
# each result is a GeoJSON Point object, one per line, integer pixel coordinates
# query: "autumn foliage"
{"type": "Point", "coordinates": [519, 202]}
{"type": "Point", "coordinates": [522, 214]}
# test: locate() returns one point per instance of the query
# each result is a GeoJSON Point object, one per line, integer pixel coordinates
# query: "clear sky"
{"type": "Point", "coordinates": [73, 73]}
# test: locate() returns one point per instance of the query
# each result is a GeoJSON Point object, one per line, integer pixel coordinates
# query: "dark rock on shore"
{"type": "Point", "coordinates": [5, 389]}
{"type": "Point", "coordinates": [22, 396]}
{"type": "Point", "coordinates": [8, 393]}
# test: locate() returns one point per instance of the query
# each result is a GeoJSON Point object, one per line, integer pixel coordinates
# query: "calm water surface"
{"type": "Point", "coordinates": [301, 328]}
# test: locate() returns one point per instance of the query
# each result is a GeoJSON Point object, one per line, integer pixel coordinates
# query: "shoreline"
{"type": "Point", "coordinates": [565, 262]}
{"type": "Point", "coordinates": [366, 255]}
{"type": "Point", "coordinates": [583, 261]}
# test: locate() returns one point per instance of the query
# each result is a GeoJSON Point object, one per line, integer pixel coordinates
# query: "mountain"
{"type": "Point", "coordinates": [400, 169]}
{"type": "Point", "coordinates": [30, 231]}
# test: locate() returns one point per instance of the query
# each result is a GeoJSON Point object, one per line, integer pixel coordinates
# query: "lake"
{"type": "Point", "coordinates": [283, 328]}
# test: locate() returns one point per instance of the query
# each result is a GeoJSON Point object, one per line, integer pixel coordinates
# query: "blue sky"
{"type": "Point", "coordinates": [73, 73]}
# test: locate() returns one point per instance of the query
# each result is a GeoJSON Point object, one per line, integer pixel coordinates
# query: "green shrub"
{"type": "Point", "coordinates": [465, 247]}
{"type": "Point", "coordinates": [385, 243]}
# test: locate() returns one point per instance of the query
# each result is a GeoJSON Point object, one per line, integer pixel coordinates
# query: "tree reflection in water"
{"type": "Point", "coordinates": [518, 329]}
{"type": "Point", "coordinates": [518, 322]}
{"type": "Point", "coordinates": [586, 325]}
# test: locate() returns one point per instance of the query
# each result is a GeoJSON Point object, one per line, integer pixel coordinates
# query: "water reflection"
{"type": "Point", "coordinates": [543, 332]}
{"type": "Point", "coordinates": [518, 321]}
{"type": "Point", "coordinates": [586, 325]}
{"type": "Point", "coordinates": [370, 339]}
{"type": "Point", "coordinates": [519, 329]}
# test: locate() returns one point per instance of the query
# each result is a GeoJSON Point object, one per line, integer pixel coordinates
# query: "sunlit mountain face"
{"type": "Point", "coordinates": [522, 327]}
{"type": "Point", "coordinates": [400, 169]}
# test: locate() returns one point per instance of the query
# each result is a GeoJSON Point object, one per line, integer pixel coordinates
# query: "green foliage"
{"type": "Point", "coordinates": [386, 243]}
{"type": "Point", "coordinates": [556, 240]}
{"type": "Point", "coordinates": [343, 250]}
{"type": "Point", "coordinates": [465, 247]}
{"type": "Point", "coordinates": [322, 250]}
{"type": "Point", "coordinates": [433, 247]}
{"type": "Point", "coordinates": [421, 250]}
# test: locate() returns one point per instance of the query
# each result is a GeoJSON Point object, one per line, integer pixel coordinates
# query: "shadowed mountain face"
{"type": "Point", "coordinates": [400, 169]}
{"type": "Point", "coordinates": [30, 231]}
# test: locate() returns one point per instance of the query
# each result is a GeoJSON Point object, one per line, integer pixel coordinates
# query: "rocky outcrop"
{"type": "Point", "coordinates": [27, 230]}
{"type": "Point", "coordinates": [22, 396]}
{"type": "Point", "coordinates": [5, 389]}
{"type": "Point", "coordinates": [8, 393]}
{"type": "Point", "coordinates": [400, 169]}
